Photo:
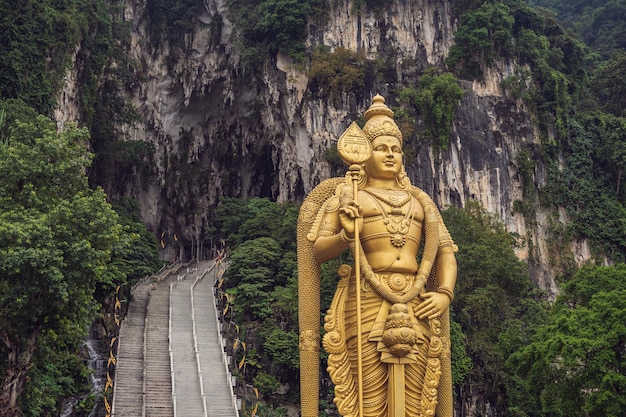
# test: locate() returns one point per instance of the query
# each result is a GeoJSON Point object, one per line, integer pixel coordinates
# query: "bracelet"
{"type": "Point", "coordinates": [447, 291]}
{"type": "Point", "coordinates": [344, 237]}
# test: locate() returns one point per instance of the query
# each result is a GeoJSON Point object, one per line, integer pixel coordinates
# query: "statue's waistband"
{"type": "Point", "coordinates": [397, 282]}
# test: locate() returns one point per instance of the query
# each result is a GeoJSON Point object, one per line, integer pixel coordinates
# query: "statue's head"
{"type": "Point", "coordinates": [376, 148]}
{"type": "Point", "coordinates": [386, 140]}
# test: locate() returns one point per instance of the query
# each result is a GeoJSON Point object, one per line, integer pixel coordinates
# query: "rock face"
{"type": "Point", "coordinates": [219, 130]}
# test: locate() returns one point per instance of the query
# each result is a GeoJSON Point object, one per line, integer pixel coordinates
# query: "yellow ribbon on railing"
{"type": "Point", "coordinates": [112, 359]}
{"type": "Point", "coordinates": [109, 383]}
{"type": "Point", "coordinates": [106, 404]}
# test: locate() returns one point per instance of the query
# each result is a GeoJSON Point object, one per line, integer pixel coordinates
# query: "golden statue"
{"type": "Point", "coordinates": [387, 330]}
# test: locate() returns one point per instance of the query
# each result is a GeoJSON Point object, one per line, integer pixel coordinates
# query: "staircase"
{"type": "Point", "coordinates": [170, 358]}
{"type": "Point", "coordinates": [216, 379]}
{"type": "Point", "coordinates": [128, 391]}
{"type": "Point", "coordinates": [189, 400]}
{"type": "Point", "coordinates": [158, 402]}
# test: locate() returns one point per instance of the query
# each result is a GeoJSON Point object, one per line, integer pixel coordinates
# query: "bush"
{"type": "Point", "coordinates": [335, 73]}
{"type": "Point", "coordinates": [436, 98]}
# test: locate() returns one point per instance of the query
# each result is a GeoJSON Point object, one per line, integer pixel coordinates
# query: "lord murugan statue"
{"type": "Point", "coordinates": [387, 330]}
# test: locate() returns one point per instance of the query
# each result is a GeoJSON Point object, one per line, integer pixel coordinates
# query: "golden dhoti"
{"type": "Point", "coordinates": [378, 363]}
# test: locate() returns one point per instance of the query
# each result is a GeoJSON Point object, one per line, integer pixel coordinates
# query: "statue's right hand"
{"type": "Point", "coordinates": [350, 214]}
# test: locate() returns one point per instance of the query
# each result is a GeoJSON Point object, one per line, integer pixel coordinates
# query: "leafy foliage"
{"type": "Point", "coordinates": [62, 251]}
{"type": "Point", "coordinates": [595, 146]}
{"type": "Point", "coordinates": [484, 35]}
{"type": "Point", "coordinates": [609, 85]}
{"type": "Point", "coordinates": [576, 363]}
{"type": "Point", "coordinates": [135, 255]}
{"type": "Point", "coordinates": [262, 278]}
{"type": "Point", "coordinates": [436, 98]}
{"type": "Point", "coordinates": [497, 306]}
{"type": "Point", "coordinates": [56, 237]}
{"type": "Point", "coordinates": [599, 23]}
{"type": "Point", "coordinates": [57, 372]}
{"type": "Point", "coordinates": [37, 40]}
{"type": "Point", "coordinates": [271, 26]}
{"type": "Point", "coordinates": [335, 73]}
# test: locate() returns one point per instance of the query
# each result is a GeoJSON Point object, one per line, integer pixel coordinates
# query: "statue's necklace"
{"type": "Point", "coordinates": [391, 197]}
{"type": "Point", "coordinates": [397, 225]}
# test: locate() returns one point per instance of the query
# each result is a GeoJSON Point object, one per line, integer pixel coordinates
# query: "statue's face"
{"type": "Point", "coordinates": [386, 159]}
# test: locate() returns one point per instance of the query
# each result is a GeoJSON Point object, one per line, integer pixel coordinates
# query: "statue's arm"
{"type": "Point", "coordinates": [438, 299]}
{"type": "Point", "coordinates": [331, 238]}
{"type": "Point", "coordinates": [329, 247]}
{"type": "Point", "coordinates": [446, 269]}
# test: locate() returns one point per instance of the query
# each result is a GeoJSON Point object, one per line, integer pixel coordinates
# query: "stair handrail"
{"type": "Point", "coordinates": [195, 345]}
{"type": "Point", "coordinates": [221, 339]}
{"type": "Point", "coordinates": [169, 342]}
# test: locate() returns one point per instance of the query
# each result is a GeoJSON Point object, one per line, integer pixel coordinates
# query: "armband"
{"type": "Point", "coordinates": [344, 237]}
{"type": "Point", "coordinates": [447, 291]}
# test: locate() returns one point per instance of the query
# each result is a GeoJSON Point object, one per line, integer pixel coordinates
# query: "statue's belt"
{"type": "Point", "coordinates": [397, 282]}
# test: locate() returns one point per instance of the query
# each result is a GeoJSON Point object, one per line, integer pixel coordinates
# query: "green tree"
{"type": "Point", "coordinates": [496, 305]}
{"type": "Point", "coordinates": [56, 238]}
{"type": "Point", "coordinates": [609, 85]}
{"type": "Point", "coordinates": [483, 36]}
{"type": "Point", "coordinates": [135, 255]}
{"type": "Point", "coordinates": [280, 348]}
{"type": "Point", "coordinates": [241, 220]}
{"type": "Point", "coordinates": [251, 277]}
{"type": "Point", "coordinates": [576, 364]}
{"type": "Point", "coordinates": [610, 155]}
{"type": "Point", "coordinates": [262, 274]}
{"type": "Point", "coordinates": [335, 73]}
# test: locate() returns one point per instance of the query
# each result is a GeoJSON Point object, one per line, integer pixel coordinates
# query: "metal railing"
{"type": "Point", "coordinates": [195, 345]}
{"type": "Point", "coordinates": [169, 342]}
{"type": "Point", "coordinates": [222, 342]}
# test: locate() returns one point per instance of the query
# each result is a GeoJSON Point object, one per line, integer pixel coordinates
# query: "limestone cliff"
{"type": "Point", "coordinates": [219, 130]}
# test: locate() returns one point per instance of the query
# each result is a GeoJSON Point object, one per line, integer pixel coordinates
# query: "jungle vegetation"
{"type": "Point", "coordinates": [63, 252]}
{"type": "Point", "coordinates": [64, 246]}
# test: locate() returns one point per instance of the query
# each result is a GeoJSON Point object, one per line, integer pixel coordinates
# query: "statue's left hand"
{"type": "Point", "coordinates": [433, 305]}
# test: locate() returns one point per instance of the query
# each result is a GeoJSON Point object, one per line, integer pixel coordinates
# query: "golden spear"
{"type": "Point", "coordinates": [354, 149]}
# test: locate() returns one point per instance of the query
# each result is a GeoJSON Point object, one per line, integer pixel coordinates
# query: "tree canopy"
{"type": "Point", "coordinates": [576, 363]}
{"type": "Point", "coordinates": [60, 241]}
{"type": "Point", "coordinates": [56, 237]}
{"type": "Point", "coordinates": [497, 306]}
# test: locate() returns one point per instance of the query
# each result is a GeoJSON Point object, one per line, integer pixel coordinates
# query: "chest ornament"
{"type": "Point", "coordinates": [397, 223]}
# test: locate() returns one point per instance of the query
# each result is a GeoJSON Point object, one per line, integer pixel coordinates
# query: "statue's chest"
{"type": "Point", "coordinates": [393, 207]}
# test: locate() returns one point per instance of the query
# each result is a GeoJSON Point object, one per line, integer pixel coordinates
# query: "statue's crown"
{"type": "Point", "coordinates": [379, 120]}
